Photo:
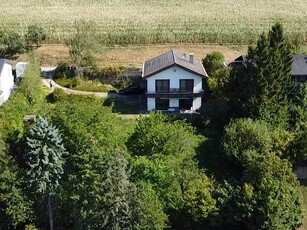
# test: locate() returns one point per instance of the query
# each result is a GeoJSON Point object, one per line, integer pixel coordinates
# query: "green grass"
{"type": "Point", "coordinates": [159, 21]}
{"type": "Point", "coordinates": [82, 85]}
{"type": "Point", "coordinates": [122, 106]}
{"type": "Point", "coordinates": [303, 191]}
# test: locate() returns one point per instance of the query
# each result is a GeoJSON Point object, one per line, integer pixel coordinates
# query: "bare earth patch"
{"type": "Point", "coordinates": [135, 55]}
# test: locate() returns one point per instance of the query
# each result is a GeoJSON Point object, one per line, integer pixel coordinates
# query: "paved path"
{"type": "Point", "coordinates": [47, 82]}
{"type": "Point", "coordinates": [48, 73]}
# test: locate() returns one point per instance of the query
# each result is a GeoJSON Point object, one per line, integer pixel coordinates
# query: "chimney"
{"type": "Point", "coordinates": [191, 57]}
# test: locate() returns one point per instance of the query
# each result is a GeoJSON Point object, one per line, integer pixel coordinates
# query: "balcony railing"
{"type": "Point", "coordinates": [175, 92]}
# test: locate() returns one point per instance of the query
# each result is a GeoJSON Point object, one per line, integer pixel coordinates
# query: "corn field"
{"type": "Point", "coordinates": [159, 21]}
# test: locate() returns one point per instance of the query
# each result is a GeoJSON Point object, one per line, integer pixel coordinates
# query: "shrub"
{"type": "Point", "coordinates": [12, 115]}
{"type": "Point", "coordinates": [57, 95]}
{"type": "Point", "coordinates": [62, 71]}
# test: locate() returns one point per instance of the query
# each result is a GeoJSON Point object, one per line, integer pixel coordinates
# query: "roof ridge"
{"type": "Point", "coordinates": [173, 55]}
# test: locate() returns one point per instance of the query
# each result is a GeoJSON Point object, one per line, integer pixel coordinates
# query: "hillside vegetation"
{"type": "Point", "coordinates": [158, 21]}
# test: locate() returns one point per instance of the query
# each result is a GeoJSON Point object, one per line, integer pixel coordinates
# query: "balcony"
{"type": "Point", "coordinates": [175, 93]}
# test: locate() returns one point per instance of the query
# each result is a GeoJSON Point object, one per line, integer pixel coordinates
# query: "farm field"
{"type": "Point", "coordinates": [159, 21]}
{"type": "Point", "coordinates": [135, 55]}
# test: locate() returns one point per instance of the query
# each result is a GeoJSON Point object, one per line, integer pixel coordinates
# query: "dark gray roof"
{"type": "Point", "coordinates": [171, 58]}
{"type": "Point", "coordinates": [299, 65]}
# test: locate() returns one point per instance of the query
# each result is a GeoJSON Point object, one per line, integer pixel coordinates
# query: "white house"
{"type": "Point", "coordinates": [6, 80]}
{"type": "Point", "coordinates": [20, 69]}
{"type": "Point", "coordinates": [174, 82]}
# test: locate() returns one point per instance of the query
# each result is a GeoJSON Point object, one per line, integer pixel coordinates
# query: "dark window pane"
{"type": "Point", "coordinates": [162, 104]}
{"type": "Point", "coordinates": [162, 85]}
{"type": "Point", "coordinates": [185, 103]}
{"type": "Point", "coordinates": [187, 85]}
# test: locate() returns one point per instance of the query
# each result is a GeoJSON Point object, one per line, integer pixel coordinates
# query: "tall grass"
{"type": "Point", "coordinates": [159, 21]}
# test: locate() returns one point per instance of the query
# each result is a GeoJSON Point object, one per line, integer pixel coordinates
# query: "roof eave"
{"type": "Point", "coordinates": [176, 64]}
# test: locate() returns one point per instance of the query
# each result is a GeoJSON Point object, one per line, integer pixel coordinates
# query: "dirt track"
{"type": "Point", "coordinates": [135, 55]}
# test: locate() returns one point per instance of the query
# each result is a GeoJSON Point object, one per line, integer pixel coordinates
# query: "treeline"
{"type": "Point", "coordinates": [78, 166]}
{"type": "Point", "coordinates": [12, 43]}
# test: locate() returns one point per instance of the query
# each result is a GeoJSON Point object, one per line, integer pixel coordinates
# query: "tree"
{"type": "Point", "coordinates": [213, 63]}
{"type": "Point", "coordinates": [262, 88]}
{"type": "Point", "coordinates": [299, 107]}
{"type": "Point", "coordinates": [266, 191]}
{"type": "Point", "coordinates": [298, 147]}
{"type": "Point", "coordinates": [245, 137]}
{"type": "Point", "coordinates": [90, 138]}
{"type": "Point", "coordinates": [44, 160]}
{"type": "Point", "coordinates": [119, 193]}
{"type": "Point", "coordinates": [150, 210]}
{"type": "Point", "coordinates": [245, 134]}
{"type": "Point", "coordinates": [270, 69]}
{"type": "Point", "coordinates": [156, 135]}
{"type": "Point", "coordinates": [274, 201]}
{"type": "Point", "coordinates": [35, 35]}
{"type": "Point", "coordinates": [31, 85]}
{"type": "Point", "coordinates": [13, 43]}
{"type": "Point", "coordinates": [14, 207]}
{"type": "Point", "coordinates": [164, 154]}
{"type": "Point", "coordinates": [83, 44]}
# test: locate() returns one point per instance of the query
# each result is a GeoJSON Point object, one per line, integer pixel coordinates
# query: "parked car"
{"type": "Point", "coordinates": [131, 91]}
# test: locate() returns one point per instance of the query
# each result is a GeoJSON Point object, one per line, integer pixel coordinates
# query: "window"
{"type": "Point", "coordinates": [162, 104]}
{"type": "Point", "coordinates": [185, 103]}
{"type": "Point", "coordinates": [187, 85]}
{"type": "Point", "coordinates": [301, 78]}
{"type": "Point", "coordinates": [162, 86]}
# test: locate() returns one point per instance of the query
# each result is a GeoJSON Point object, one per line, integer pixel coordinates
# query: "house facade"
{"type": "Point", "coordinates": [6, 80]}
{"type": "Point", "coordinates": [174, 82]}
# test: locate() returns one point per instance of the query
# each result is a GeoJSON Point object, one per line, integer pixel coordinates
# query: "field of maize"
{"type": "Point", "coordinates": [159, 21]}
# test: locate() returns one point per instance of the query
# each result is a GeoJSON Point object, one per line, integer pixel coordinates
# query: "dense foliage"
{"type": "Point", "coordinates": [35, 35]}
{"type": "Point", "coordinates": [83, 167]}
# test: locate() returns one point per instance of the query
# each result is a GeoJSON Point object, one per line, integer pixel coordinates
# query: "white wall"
{"type": "Point", "coordinates": [6, 82]}
{"type": "Point", "coordinates": [20, 69]}
{"type": "Point", "coordinates": [174, 102]}
{"type": "Point", "coordinates": [196, 103]}
{"type": "Point", "coordinates": [174, 74]}
{"type": "Point", "coordinates": [151, 104]}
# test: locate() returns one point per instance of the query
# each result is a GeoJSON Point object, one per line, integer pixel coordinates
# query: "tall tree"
{"type": "Point", "coordinates": [12, 42]}
{"type": "Point", "coordinates": [267, 193]}
{"type": "Point", "coordinates": [270, 74]}
{"type": "Point", "coordinates": [272, 191]}
{"type": "Point", "coordinates": [149, 208]}
{"type": "Point", "coordinates": [299, 107]}
{"type": "Point", "coordinates": [35, 35]}
{"type": "Point", "coordinates": [119, 194]}
{"type": "Point", "coordinates": [83, 44]}
{"type": "Point", "coordinates": [213, 63]}
{"type": "Point", "coordinates": [14, 208]}
{"type": "Point", "coordinates": [44, 158]}
{"type": "Point", "coordinates": [261, 88]}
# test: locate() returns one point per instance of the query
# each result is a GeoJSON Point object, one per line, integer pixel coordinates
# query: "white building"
{"type": "Point", "coordinates": [6, 80]}
{"type": "Point", "coordinates": [20, 69]}
{"type": "Point", "coordinates": [174, 82]}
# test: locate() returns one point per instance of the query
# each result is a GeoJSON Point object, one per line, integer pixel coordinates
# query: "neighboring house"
{"type": "Point", "coordinates": [298, 68]}
{"type": "Point", "coordinates": [174, 82]}
{"type": "Point", "coordinates": [6, 80]}
{"type": "Point", "coordinates": [20, 69]}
